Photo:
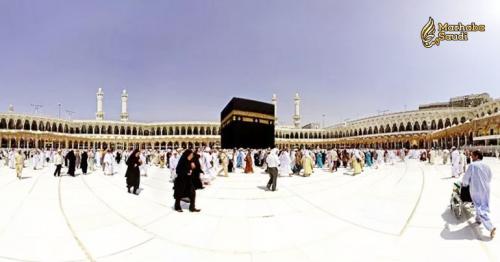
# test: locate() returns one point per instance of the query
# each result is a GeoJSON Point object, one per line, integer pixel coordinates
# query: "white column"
{"type": "Point", "coordinates": [100, 97]}
{"type": "Point", "coordinates": [124, 114]}
{"type": "Point", "coordinates": [274, 101]}
{"type": "Point", "coordinates": [296, 116]}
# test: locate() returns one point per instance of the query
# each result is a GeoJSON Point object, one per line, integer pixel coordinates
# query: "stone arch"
{"type": "Point", "coordinates": [433, 125]}
{"type": "Point", "coordinates": [19, 124]}
{"type": "Point", "coordinates": [122, 130]}
{"type": "Point", "coordinates": [48, 126]}
{"type": "Point", "coordinates": [26, 125]}
{"type": "Point", "coordinates": [116, 130]}
{"type": "Point", "coordinates": [54, 127]}
{"type": "Point", "coordinates": [416, 126]}
{"type": "Point", "coordinates": [134, 131]}
{"type": "Point", "coordinates": [34, 125]}
{"type": "Point", "coordinates": [447, 122]}
{"type": "Point", "coordinates": [196, 131]}
{"type": "Point", "coordinates": [455, 121]}
{"type": "Point", "coordinates": [375, 129]}
{"type": "Point", "coordinates": [60, 128]}
{"type": "Point", "coordinates": [440, 124]}
{"type": "Point", "coordinates": [214, 131]}
{"type": "Point", "coordinates": [408, 127]}
{"type": "Point", "coordinates": [3, 125]}
{"type": "Point", "coordinates": [129, 131]}
{"type": "Point", "coordinates": [11, 124]}
{"type": "Point", "coordinates": [110, 130]}
{"type": "Point", "coordinates": [140, 132]}
{"type": "Point", "coordinates": [424, 125]}
{"type": "Point", "coordinates": [66, 129]}
{"type": "Point", "coordinates": [395, 127]}
{"type": "Point", "coordinates": [401, 127]}
{"type": "Point", "coordinates": [463, 119]}
{"type": "Point", "coordinates": [189, 131]}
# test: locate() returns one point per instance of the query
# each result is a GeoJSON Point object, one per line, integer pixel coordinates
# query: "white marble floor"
{"type": "Point", "coordinates": [395, 213]}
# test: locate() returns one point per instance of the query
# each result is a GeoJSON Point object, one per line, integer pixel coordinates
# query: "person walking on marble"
{"type": "Point", "coordinates": [84, 162]}
{"type": "Point", "coordinates": [71, 158]}
{"type": "Point", "coordinates": [478, 179]}
{"type": "Point", "coordinates": [133, 174]}
{"type": "Point", "coordinates": [273, 163]}
{"type": "Point", "coordinates": [183, 183]}
{"type": "Point", "coordinates": [455, 163]}
{"type": "Point", "coordinates": [58, 161]}
{"type": "Point", "coordinates": [19, 160]}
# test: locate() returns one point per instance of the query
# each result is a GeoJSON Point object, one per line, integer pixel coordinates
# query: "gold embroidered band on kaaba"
{"type": "Point", "coordinates": [246, 116]}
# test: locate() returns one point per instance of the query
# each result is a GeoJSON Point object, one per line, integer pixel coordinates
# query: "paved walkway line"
{"type": "Point", "coordinates": [73, 232]}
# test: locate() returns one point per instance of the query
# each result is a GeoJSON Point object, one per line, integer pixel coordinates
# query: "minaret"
{"type": "Point", "coordinates": [275, 109]}
{"type": "Point", "coordinates": [296, 116]}
{"type": "Point", "coordinates": [11, 108]}
{"type": "Point", "coordinates": [124, 114]}
{"type": "Point", "coordinates": [100, 97]}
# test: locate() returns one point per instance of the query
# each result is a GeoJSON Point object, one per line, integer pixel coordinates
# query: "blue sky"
{"type": "Point", "coordinates": [184, 60]}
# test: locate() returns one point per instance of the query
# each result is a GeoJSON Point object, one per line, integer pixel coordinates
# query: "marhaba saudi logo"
{"type": "Point", "coordinates": [447, 32]}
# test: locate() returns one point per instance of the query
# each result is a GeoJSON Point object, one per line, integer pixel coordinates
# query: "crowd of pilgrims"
{"type": "Point", "coordinates": [214, 162]}
{"type": "Point", "coordinates": [191, 170]}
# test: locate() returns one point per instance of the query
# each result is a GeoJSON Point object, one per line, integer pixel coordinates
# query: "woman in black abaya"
{"type": "Point", "coordinates": [183, 183]}
{"type": "Point", "coordinates": [71, 158]}
{"type": "Point", "coordinates": [133, 174]}
{"type": "Point", "coordinates": [196, 172]}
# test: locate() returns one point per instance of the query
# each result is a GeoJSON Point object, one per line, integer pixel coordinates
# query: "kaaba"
{"type": "Point", "coordinates": [247, 124]}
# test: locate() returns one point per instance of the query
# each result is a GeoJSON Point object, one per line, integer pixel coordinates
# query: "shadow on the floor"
{"type": "Point", "coordinates": [465, 233]}
{"type": "Point", "coordinates": [263, 188]}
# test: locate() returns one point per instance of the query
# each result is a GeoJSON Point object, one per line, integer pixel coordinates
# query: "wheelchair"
{"type": "Point", "coordinates": [461, 201]}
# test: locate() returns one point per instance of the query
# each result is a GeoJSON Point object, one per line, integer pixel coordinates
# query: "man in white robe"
{"type": "Point", "coordinates": [285, 168]}
{"type": "Point", "coordinates": [143, 168]}
{"type": "Point", "coordinates": [108, 163]}
{"type": "Point", "coordinates": [432, 156]}
{"type": "Point", "coordinates": [207, 165]}
{"type": "Point", "coordinates": [12, 159]}
{"type": "Point", "coordinates": [98, 159]}
{"type": "Point", "coordinates": [172, 163]}
{"type": "Point", "coordinates": [455, 163]}
{"type": "Point", "coordinates": [478, 178]}
{"type": "Point", "coordinates": [34, 160]}
{"type": "Point", "coordinates": [446, 155]}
